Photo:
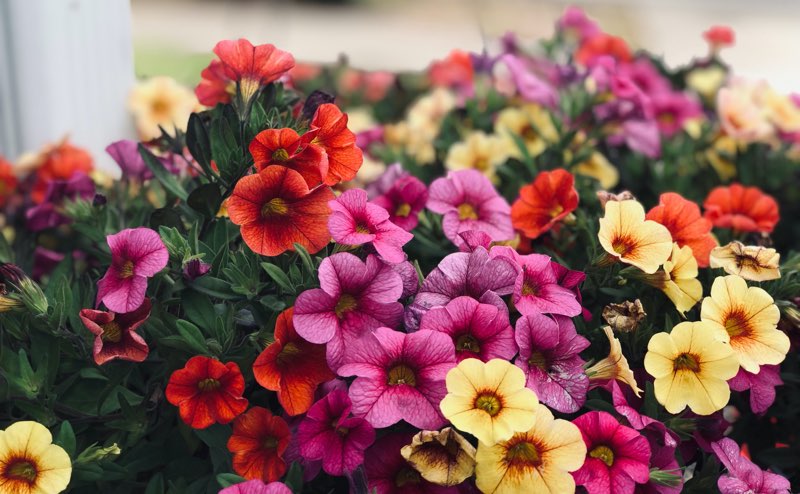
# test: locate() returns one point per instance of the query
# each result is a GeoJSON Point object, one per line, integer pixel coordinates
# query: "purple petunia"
{"type": "Point", "coordinates": [49, 214]}
{"type": "Point", "coordinates": [761, 386]}
{"type": "Point", "coordinates": [744, 476]}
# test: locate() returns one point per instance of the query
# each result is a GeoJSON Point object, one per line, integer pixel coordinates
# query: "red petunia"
{"type": "Point", "coordinates": [258, 443]}
{"type": "Point", "coordinates": [58, 162]}
{"type": "Point", "coordinates": [744, 209]}
{"type": "Point", "coordinates": [275, 209]}
{"type": "Point", "coordinates": [719, 37]}
{"type": "Point", "coordinates": [284, 147]}
{"type": "Point", "coordinates": [292, 366]}
{"type": "Point", "coordinates": [454, 71]}
{"type": "Point", "coordinates": [545, 202]}
{"type": "Point", "coordinates": [207, 392]}
{"type": "Point", "coordinates": [688, 227]}
{"type": "Point", "coordinates": [8, 181]}
{"type": "Point", "coordinates": [603, 44]}
{"type": "Point", "coordinates": [214, 87]}
{"type": "Point", "coordinates": [115, 334]}
{"type": "Point", "coordinates": [339, 142]}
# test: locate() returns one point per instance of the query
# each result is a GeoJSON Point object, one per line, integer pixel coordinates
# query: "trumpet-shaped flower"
{"type": "Point", "coordinates": [389, 473]}
{"type": "Point", "coordinates": [444, 458]}
{"type": "Point", "coordinates": [530, 123]}
{"type": "Point", "coordinates": [29, 461]}
{"type": "Point", "coordinates": [751, 262]}
{"type": "Point", "coordinates": [614, 367]}
{"type": "Point", "coordinates": [544, 203]}
{"type": "Point", "coordinates": [339, 143]}
{"type": "Point", "coordinates": [115, 334]}
{"type": "Point", "coordinates": [626, 235]}
{"type": "Point", "coordinates": [678, 280]}
{"type": "Point", "coordinates": [744, 475]}
{"type": "Point", "coordinates": [761, 385]}
{"type": "Point", "coordinates": [684, 222]}
{"type": "Point", "coordinates": [404, 200]}
{"type": "Point", "coordinates": [285, 147]}
{"type": "Point", "coordinates": [258, 442]}
{"type": "Point", "coordinates": [744, 209]}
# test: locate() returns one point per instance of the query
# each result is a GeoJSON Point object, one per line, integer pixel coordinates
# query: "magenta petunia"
{"type": "Point", "coordinates": [617, 456]}
{"type": "Point", "coordinates": [330, 434]}
{"type": "Point", "coordinates": [571, 280]}
{"type": "Point", "coordinates": [257, 486]}
{"type": "Point", "coordinates": [480, 331]}
{"type": "Point", "coordinates": [50, 213]}
{"type": "Point", "coordinates": [389, 473]}
{"type": "Point", "coordinates": [404, 200]}
{"type": "Point", "coordinates": [408, 273]}
{"type": "Point", "coordinates": [355, 221]}
{"type": "Point", "coordinates": [549, 355]}
{"type": "Point", "coordinates": [115, 334]}
{"type": "Point", "coordinates": [136, 254]}
{"type": "Point", "coordinates": [761, 386]}
{"type": "Point", "coordinates": [468, 201]}
{"type": "Point", "coordinates": [473, 274]}
{"type": "Point", "coordinates": [386, 180]}
{"type": "Point", "coordinates": [400, 376]}
{"type": "Point", "coordinates": [673, 110]}
{"type": "Point", "coordinates": [744, 476]}
{"type": "Point", "coordinates": [355, 297]}
{"type": "Point", "coordinates": [472, 239]}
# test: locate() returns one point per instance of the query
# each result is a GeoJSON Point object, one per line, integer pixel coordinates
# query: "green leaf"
{"type": "Point", "coordinates": [163, 175]}
{"type": "Point", "coordinates": [205, 200]}
{"type": "Point", "coordinates": [215, 287]}
{"type": "Point", "coordinates": [156, 483]}
{"type": "Point", "coordinates": [229, 479]}
{"type": "Point", "coordinates": [65, 437]}
{"type": "Point", "coordinates": [305, 257]}
{"type": "Point", "coordinates": [278, 276]}
{"type": "Point", "coordinates": [192, 335]}
{"type": "Point", "coordinates": [197, 141]}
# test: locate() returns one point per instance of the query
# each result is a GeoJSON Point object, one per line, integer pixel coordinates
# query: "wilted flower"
{"type": "Point", "coordinates": [627, 236]}
{"type": "Point", "coordinates": [195, 268]}
{"type": "Point", "coordinates": [751, 262]}
{"type": "Point", "coordinates": [743, 475]}
{"type": "Point", "coordinates": [624, 317]}
{"type": "Point", "coordinates": [258, 442]}
{"type": "Point", "coordinates": [389, 473]}
{"type": "Point", "coordinates": [115, 334]}
{"type": "Point", "coordinates": [744, 209]}
{"type": "Point", "coordinates": [442, 457]}
{"type": "Point", "coordinates": [604, 196]}
{"type": "Point", "coordinates": [613, 367]}
{"type": "Point", "coordinates": [29, 461]}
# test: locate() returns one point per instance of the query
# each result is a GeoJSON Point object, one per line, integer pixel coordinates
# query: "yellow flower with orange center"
{"type": "Point", "coordinates": [628, 237]}
{"type": "Point", "coordinates": [479, 151]}
{"type": "Point", "coordinates": [691, 366]}
{"type": "Point", "coordinates": [749, 317]}
{"type": "Point", "coordinates": [751, 262]}
{"type": "Point", "coordinates": [488, 400]}
{"type": "Point", "coordinates": [537, 460]}
{"type": "Point", "coordinates": [161, 101]}
{"type": "Point", "coordinates": [29, 461]}
{"type": "Point", "coordinates": [615, 366]}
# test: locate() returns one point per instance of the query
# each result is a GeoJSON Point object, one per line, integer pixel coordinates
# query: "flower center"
{"type": "Point", "coordinates": [528, 133]}
{"type": "Point", "coordinates": [271, 443]}
{"type": "Point", "coordinates": [482, 164]}
{"type": "Point", "coordinates": [342, 431]}
{"type": "Point", "coordinates": [621, 246]}
{"type": "Point", "coordinates": [745, 261]}
{"type": "Point", "coordinates": [208, 384]}
{"type": "Point", "coordinates": [556, 210]}
{"type": "Point", "coordinates": [467, 212]}
{"type": "Point", "coordinates": [23, 470]}
{"type": "Point", "coordinates": [362, 228]}
{"type": "Point", "coordinates": [126, 271]}
{"type": "Point", "coordinates": [287, 354]}
{"type": "Point", "coordinates": [537, 359]}
{"type": "Point", "coordinates": [468, 343]}
{"type": "Point", "coordinates": [489, 403]}
{"type": "Point", "coordinates": [347, 303]}
{"type": "Point", "coordinates": [111, 332]}
{"type": "Point", "coordinates": [274, 207]}
{"type": "Point", "coordinates": [735, 323]}
{"type": "Point", "coordinates": [529, 287]}
{"type": "Point", "coordinates": [280, 155]}
{"type": "Point", "coordinates": [686, 361]}
{"type": "Point", "coordinates": [407, 476]}
{"type": "Point", "coordinates": [604, 454]}
{"type": "Point", "coordinates": [403, 210]}
{"type": "Point", "coordinates": [401, 374]}
{"type": "Point", "coordinates": [525, 453]}
{"type": "Point", "coordinates": [248, 87]}
{"type": "Point", "coordinates": [160, 108]}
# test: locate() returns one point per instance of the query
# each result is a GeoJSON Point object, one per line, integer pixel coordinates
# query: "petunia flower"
{"type": "Point", "coordinates": [136, 254]}
{"type": "Point", "coordinates": [399, 377]}
{"type": "Point", "coordinates": [29, 461]}
{"type": "Point", "coordinates": [292, 366]}
{"type": "Point", "coordinates": [549, 355]}
{"type": "Point", "coordinates": [285, 147]}
{"type": "Point", "coordinates": [355, 297]}
{"type": "Point", "coordinates": [602, 44]}
{"type": "Point", "coordinates": [528, 85]}
{"type": "Point", "coordinates": [126, 154]}
{"type": "Point", "coordinates": [744, 475]}
{"type": "Point", "coordinates": [598, 167]}
{"type": "Point", "coordinates": [115, 334]}
{"type": "Point", "coordinates": [195, 268]}
{"type": "Point", "coordinates": [744, 209]}
{"type": "Point", "coordinates": [258, 442]}
{"type": "Point", "coordinates": [617, 457]}
{"type": "Point", "coordinates": [383, 184]}
{"type": "Point", "coordinates": [684, 222]}
{"type": "Point", "coordinates": [691, 365]}
{"type": "Point", "coordinates": [627, 236]}
{"type": "Point", "coordinates": [404, 200]}
{"type": "Point", "coordinates": [575, 24]}
{"type": "Point", "coordinates": [59, 161]}
{"type": "Point", "coordinates": [207, 392]}
{"type": "Point", "coordinates": [673, 110]}
{"type": "Point", "coordinates": [530, 123]}
{"type": "Point", "coordinates": [749, 317]}
{"type": "Point", "coordinates": [751, 262]}
{"type": "Point", "coordinates": [468, 201]}
{"type": "Point", "coordinates": [276, 209]}
{"type": "Point", "coordinates": [50, 212]}
{"type": "Point", "coordinates": [678, 279]}
{"type": "Point", "coordinates": [160, 104]}
{"type": "Point", "coordinates": [614, 367]}
{"type": "Point", "coordinates": [8, 181]}
{"type": "Point", "coordinates": [719, 37]}
{"type": "Point", "coordinates": [480, 152]}
{"type": "Point", "coordinates": [339, 143]}
{"type": "Point", "coordinates": [442, 457]}
{"type": "Point", "coordinates": [257, 486]}
{"type": "Point", "coordinates": [761, 385]}
{"type": "Point", "coordinates": [571, 279]}
{"type": "Point", "coordinates": [355, 221]}
{"type": "Point", "coordinates": [489, 400]}
{"type": "Point", "coordinates": [389, 473]}
{"type": "Point", "coordinates": [544, 203]}
{"type": "Point", "coordinates": [477, 330]}
{"type": "Point", "coordinates": [538, 459]}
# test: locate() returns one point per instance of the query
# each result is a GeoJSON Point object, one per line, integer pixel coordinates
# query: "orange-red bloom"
{"type": "Point", "coordinates": [603, 44]}
{"type": "Point", "coordinates": [285, 147]}
{"type": "Point", "coordinates": [454, 71]}
{"type": "Point", "coordinates": [206, 392]}
{"type": "Point", "coordinates": [276, 210]}
{"type": "Point", "coordinates": [744, 209]}
{"type": "Point", "coordinates": [688, 227]}
{"type": "Point", "coordinates": [339, 142]}
{"type": "Point", "coordinates": [545, 202]}
{"type": "Point", "coordinates": [8, 181]}
{"type": "Point", "coordinates": [58, 162]}
{"type": "Point", "coordinates": [258, 442]}
{"type": "Point", "coordinates": [292, 366]}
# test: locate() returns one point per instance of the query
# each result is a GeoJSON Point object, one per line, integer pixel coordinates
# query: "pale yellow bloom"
{"type": "Point", "coordinates": [529, 122]}
{"type": "Point", "coordinates": [479, 151]}
{"type": "Point", "coordinates": [721, 156]}
{"type": "Point", "coordinates": [706, 81]}
{"type": "Point", "coordinates": [29, 461]}
{"type": "Point", "coordinates": [626, 235]}
{"type": "Point", "coordinates": [741, 111]}
{"type": "Point", "coordinates": [161, 101]}
{"type": "Point", "coordinates": [781, 111]}
{"type": "Point", "coordinates": [444, 458]}
{"type": "Point", "coordinates": [599, 168]}
{"type": "Point", "coordinates": [615, 366]}
{"type": "Point", "coordinates": [751, 262]}
{"type": "Point", "coordinates": [679, 280]}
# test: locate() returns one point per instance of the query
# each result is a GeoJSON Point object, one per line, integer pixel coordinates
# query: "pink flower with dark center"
{"type": "Point", "coordinates": [404, 200]}
{"type": "Point", "coordinates": [354, 298]}
{"type": "Point", "coordinates": [330, 434]}
{"type": "Point", "coordinates": [355, 221]}
{"type": "Point", "coordinates": [136, 254]}
{"type": "Point", "coordinates": [761, 386]}
{"type": "Point", "coordinates": [672, 110]}
{"type": "Point", "coordinates": [257, 486]}
{"type": "Point", "coordinates": [549, 355]}
{"type": "Point", "coordinates": [389, 473]}
{"type": "Point", "coordinates": [744, 476]}
{"type": "Point", "coordinates": [480, 331]}
{"type": "Point", "coordinates": [115, 334]}
{"type": "Point", "coordinates": [617, 456]}
{"type": "Point", "coordinates": [469, 201]}
{"type": "Point", "coordinates": [399, 377]}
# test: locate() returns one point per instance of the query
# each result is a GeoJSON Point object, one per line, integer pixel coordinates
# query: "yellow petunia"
{"type": "Point", "coordinates": [29, 461]}
{"type": "Point", "coordinates": [599, 168]}
{"type": "Point", "coordinates": [615, 366]}
{"type": "Point", "coordinates": [751, 262]}
{"type": "Point", "coordinates": [691, 366]}
{"type": "Point", "coordinates": [488, 400]}
{"type": "Point", "coordinates": [678, 280]}
{"type": "Point", "coordinates": [531, 123]}
{"type": "Point", "coordinates": [444, 458]}
{"type": "Point", "coordinates": [161, 101]}
{"type": "Point", "coordinates": [749, 317]}
{"type": "Point", "coordinates": [537, 460]}
{"type": "Point", "coordinates": [628, 237]}
{"type": "Point", "coordinates": [479, 151]}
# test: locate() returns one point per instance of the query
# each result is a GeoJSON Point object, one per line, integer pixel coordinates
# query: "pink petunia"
{"type": "Point", "coordinates": [549, 355]}
{"type": "Point", "coordinates": [761, 386]}
{"type": "Point", "coordinates": [400, 376]}
{"type": "Point", "coordinates": [354, 298]}
{"type": "Point", "coordinates": [672, 110]}
{"type": "Point", "coordinates": [355, 221]}
{"type": "Point", "coordinates": [469, 201]}
{"type": "Point", "coordinates": [744, 476]}
{"type": "Point", "coordinates": [386, 180]}
{"type": "Point", "coordinates": [571, 280]}
{"type": "Point", "coordinates": [115, 334]}
{"type": "Point", "coordinates": [480, 331]}
{"type": "Point", "coordinates": [404, 200]}
{"type": "Point", "coordinates": [330, 434]}
{"type": "Point", "coordinates": [257, 486]}
{"type": "Point", "coordinates": [136, 254]}
{"type": "Point", "coordinates": [574, 23]}
{"type": "Point", "coordinates": [617, 456]}
{"type": "Point", "coordinates": [389, 473]}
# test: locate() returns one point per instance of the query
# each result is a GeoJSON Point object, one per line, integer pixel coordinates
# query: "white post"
{"type": "Point", "coordinates": [66, 67]}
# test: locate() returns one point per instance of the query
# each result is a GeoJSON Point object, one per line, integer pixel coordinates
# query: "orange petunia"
{"type": "Point", "coordinates": [545, 202]}
{"type": "Point", "coordinates": [744, 209]}
{"type": "Point", "coordinates": [8, 181]}
{"type": "Point", "coordinates": [455, 70]}
{"type": "Point", "coordinates": [688, 227]}
{"type": "Point", "coordinates": [603, 44]}
{"type": "Point", "coordinates": [258, 443]}
{"type": "Point", "coordinates": [285, 147]}
{"type": "Point", "coordinates": [58, 162]}
{"type": "Point", "coordinates": [275, 209]}
{"type": "Point", "coordinates": [292, 366]}
{"type": "Point", "coordinates": [339, 142]}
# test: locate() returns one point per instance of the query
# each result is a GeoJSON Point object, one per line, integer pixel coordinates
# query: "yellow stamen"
{"type": "Point", "coordinates": [111, 332]}
{"type": "Point", "coordinates": [467, 212]}
{"type": "Point", "coordinates": [401, 374]}
{"type": "Point", "coordinates": [686, 361]}
{"type": "Point", "coordinates": [280, 155]}
{"type": "Point", "coordinates": [489, 403]}
{"type": "Point", "coordinates": [21, 470]}
{"type": "Point", "coordinates": [403, 210]}
{"type": "Point", "coordinates": [604, 454]}
{"type": "Point", "coordinates": [345, 304]}
{"type": "Point", "coordinates": [274, 207]}
{"type": "Point", "coordinates": [208, 384]}
{"type": "Point", "coordinates": [126, 271]}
